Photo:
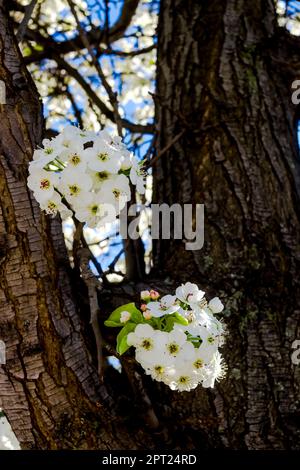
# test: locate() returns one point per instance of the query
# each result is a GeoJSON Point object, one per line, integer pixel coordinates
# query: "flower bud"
{"type": "Point", "coordinates": [147, 315]}
{"type": "Point", "coordinates": [154, 294]}
{"type": "Point", "coordinates": [125, 316]}
{"type": "Point", "coordinates": [145, 295]}
{"type": "Point", "coordinates": [216, 305]}
{"type": "Point", "coordinates": [144, 307]}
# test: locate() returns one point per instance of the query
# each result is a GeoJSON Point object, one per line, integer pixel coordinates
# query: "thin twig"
{"type": "Point", "coordinates": [93, 259]}
{"type": "Point", "coordinates": [134, 53]}
{"type": "Point", "coordinates": [150, 149]}
{"type": "Point", "coordinates": [76, 244]}
{"type": "Point", "coordinates": [92, 285]}
{"type": "Point", "coordinates": [82, 238]}
{"type": "Point", "coordinates": [112, 265]}
{"type": "Point", "coordinates": [98, 242]}
{"type": "Point", "coordinates": [24, 23]}
{"type": "Point", "coordinates": [141, 396]}
{"type": "Point", "coordinates": [165, 149]}
{"type": "Point", "coordinates": [77, 112]}
{"type": "Point", "coordinates": [111, 94]}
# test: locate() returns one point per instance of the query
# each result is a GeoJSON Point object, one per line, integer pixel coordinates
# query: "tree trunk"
{"type": "Point", "coordinates": [49, 388]}
{"type": "Point", "coordinates": [224, 77]}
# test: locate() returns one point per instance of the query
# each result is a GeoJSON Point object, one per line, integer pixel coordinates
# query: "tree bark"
{"type": "Point", "coordinates": [225, 77]}
{"type": "Point", "coordinates": [49, 385]}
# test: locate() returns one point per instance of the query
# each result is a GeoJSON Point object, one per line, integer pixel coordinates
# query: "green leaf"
{"type": "Point", "coordinates": [136, 315]}
{"type": "Point", "coordinates": [112, 323]}
{"type": "Point", "coordinates": [169, 323]}
{"type": "Point", "coordinates": [114, 318]}
{"type": "Point", "coordinates": [156, 323]}
{"type": "Point", "coordinates": [122, 345]}
{"type": "Point", "coordinates": [180, 319]}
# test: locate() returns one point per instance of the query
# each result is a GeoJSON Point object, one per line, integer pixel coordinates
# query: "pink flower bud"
{"type": "Point", "coordinates": [144, 307]}
{"type": "Point", "coordinates": [154, 294]}
{"type": "Point", "coordinates": [147, 315]}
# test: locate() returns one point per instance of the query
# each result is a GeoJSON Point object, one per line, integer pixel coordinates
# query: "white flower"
{"type": "Point", "coordinates": [196, 318]}
{"type": "Point", "coordinates": [126, 161]}
{"type": "Point", "coordinates": [53, 204]}
{"type": "Point", "coordinates": [116, 191]}
{"type": "Point", "coordinates": [48, 149]}
{"type": "Point", "coordinates": [216, 370]}
{"type": "Point", "coordinates": [147, 341]}
{"type": "Point", "coordinates": [189, 293]}
{"type": "Point", "coordinates": [137, 177]}
{"type": "Point", "coordinates": [76, 160]}
{"type": "Point", "coordinates": [94, 213]}
{"type": "Point", "coordinates": [86, 136]}
{"type": "Point", "coordinates": [70, 137]}
{"type": "Point", "coordinates": [117, 142]}
{"type": "Point", "coordinates": [125, 316]}
{"type": "Point", "coordinates": [199, 362]}
{"type": "Point", "coordinates": [83, 167]}
{"type": "Point", "coordinates": [142, 332]}
{"type": "Point", "coordinates": [74, 156]}
{"type": "Point", "coordinates": [41, 159]}
{"type": "Point", "coordinates": [216, 305]}
{"type": "Point", "coordinates": [98, 178]}
{"type": "Point", "coordinates": [75, 186]}
{"type": "Point", "coordinates": [187, 355]}
{"type": "Point", "coordinates": [42, 183]}
{"type": "Point", "coordinates": [209, 344]}
{"type": "Point", "coordinates": [104, 135]}
{"type": "Point", "coordinates": [165, 306]}
{"type": "Point", "coordinates": [204, 317]}
{"type": "Point", "coordinates": [184, 380]}
{"type": "Point", "coordinates": [127, 157]}
{"type": "Point", "coordinates": [159, 371]}
{"type": "Point", "coordinates": [176, 345]}
{"type": "Point", "coordinates": [103, 157]}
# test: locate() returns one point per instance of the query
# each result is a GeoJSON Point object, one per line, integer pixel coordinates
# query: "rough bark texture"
{"type": "Point", "coordinates": [224, 75]}
{"type": "Point", "coordinates": [49, 385]}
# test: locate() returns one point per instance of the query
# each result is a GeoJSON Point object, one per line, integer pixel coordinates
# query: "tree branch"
{"type": "Point", "coordinates": [284, 49]}
{"type": "Point", "coordinates": [23, 26]}
{"type": "Point", "coordinates": [140, 394]}
{"type": "Point", "coordinates": [95, 36]}
{"type": "Point", "coordinates": [112, 265]}
{"type": "Point", "coordinates": [111, 94]}
{"type": "Point", "coordinates": [92, 284]}
{"type": "Point", "coordinates": [165, 149]}
{"type": "Point", "coordinates": [38, 56]}
{"type": "Point", "coordinates": [77, 112]}
{"type": "Point", "coordinates": [137, 128]}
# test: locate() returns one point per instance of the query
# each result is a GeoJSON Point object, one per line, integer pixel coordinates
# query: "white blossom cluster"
{"type": "Point", "coordinates": [176, 337]}
{"type": "Point", "coordinates": [85, 172]}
